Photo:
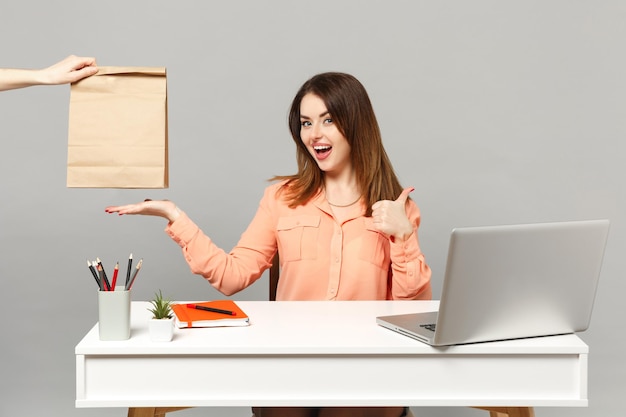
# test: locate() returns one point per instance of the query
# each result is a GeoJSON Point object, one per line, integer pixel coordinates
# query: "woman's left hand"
{"type": "Point", "coordinates": [390, 216]}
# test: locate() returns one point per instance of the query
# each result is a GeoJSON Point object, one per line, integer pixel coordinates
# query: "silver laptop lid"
{"type": "Point", "coordinates": [504, 282]}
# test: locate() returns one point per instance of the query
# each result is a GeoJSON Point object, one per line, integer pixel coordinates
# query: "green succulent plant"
{"type": "Point", "coordinates": [161, 308]}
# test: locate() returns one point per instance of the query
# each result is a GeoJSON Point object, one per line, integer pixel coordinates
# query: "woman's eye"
{"type": "Point", "coordinates": [305, 123]}
{"type": "Point", "coordinates": [328, 121]}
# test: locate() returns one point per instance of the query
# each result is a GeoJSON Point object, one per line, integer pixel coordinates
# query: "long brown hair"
{"type": "Point", "coordinates": [349, 105]}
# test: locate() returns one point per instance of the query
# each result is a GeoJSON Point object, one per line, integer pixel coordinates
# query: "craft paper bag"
{"type": "Point", "coordinates": [118, 129]}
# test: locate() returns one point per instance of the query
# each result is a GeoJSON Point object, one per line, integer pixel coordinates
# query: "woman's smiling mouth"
{"type": "Point", "coordinates": [322, 148]}
{"type": "Point", "coordinates": [322, 151]}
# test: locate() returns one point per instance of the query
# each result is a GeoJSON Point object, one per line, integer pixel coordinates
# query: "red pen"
{"type": "Point", "coordinates": [115, 271]}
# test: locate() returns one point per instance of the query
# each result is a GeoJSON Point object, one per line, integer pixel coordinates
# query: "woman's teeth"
{"type": "Point", "coordinates": [320, 149]}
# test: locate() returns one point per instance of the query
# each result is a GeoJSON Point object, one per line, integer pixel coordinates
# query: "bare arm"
{"type": "Point", "coordinates": [71, 69]}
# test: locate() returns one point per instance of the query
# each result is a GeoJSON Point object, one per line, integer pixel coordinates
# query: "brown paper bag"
{"type": "Point", "coordinates": [118, 129]}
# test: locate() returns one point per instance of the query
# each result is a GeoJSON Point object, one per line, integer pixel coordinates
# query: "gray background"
{"type": "Point", "coordinates": [497, 112]}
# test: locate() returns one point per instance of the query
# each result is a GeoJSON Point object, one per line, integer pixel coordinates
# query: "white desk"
{"type": "Point", "coordinates": [324, 354]}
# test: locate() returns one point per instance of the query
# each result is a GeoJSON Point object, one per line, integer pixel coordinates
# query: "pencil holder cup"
{"type": "Point", "coordinates": [114, 314]}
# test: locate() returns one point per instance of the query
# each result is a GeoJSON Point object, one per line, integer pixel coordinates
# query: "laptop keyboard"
{"type": "Point", "coordinates": [430, 327]}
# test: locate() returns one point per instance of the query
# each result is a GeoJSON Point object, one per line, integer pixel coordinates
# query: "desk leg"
{"type": "Point", "coordinates": [509, 411]}
{"type": "Point", "coordinates": [152, 411]}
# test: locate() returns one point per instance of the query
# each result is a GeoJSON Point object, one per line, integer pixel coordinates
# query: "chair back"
{"type": "Point", "coordinates": [274, 275]}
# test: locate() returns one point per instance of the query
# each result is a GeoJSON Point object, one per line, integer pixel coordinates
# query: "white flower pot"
{"type": "Point", "coordinates": [161, 330]}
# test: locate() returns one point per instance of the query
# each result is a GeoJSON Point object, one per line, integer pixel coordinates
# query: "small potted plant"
{"type": "Point", "coordinates": [161, 326]}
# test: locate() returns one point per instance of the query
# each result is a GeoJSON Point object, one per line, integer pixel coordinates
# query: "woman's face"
{"type": "Point", "coordinates": [322, 138]}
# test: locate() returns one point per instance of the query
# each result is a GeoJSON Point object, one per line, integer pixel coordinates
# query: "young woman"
{"type": "Point", "coordinates": [343, 226]}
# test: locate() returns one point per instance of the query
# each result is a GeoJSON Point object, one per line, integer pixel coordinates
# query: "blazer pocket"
{"type": "Point", "coordinates": [374, 245]}
{"type": "Point", "coordinates": [297, 237]}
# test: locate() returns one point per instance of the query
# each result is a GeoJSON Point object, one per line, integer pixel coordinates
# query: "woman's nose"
{"type": "Point", "coordinates": [316, 131]}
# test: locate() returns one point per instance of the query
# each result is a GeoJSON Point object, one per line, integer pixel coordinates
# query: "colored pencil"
{"type": "Point", "coordinates": [101, 275]}
{"type": "Point", "coordinates": [107, 285]}
{"type": "Point", "coordinates": [95, 274]}
{"type": "Point", "coordinates": [130, 265]}
{"type": "Point", "coordinates": [132, 280]}
{"type": "Point", "coordinates": [115, 271]}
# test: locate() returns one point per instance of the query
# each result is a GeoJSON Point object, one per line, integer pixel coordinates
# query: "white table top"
{"type": "Point", "coordinates": [318, 327]}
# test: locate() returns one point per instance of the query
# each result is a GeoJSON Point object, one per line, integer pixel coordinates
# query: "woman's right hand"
{"type": "Point", "coordinates": [161, 208]}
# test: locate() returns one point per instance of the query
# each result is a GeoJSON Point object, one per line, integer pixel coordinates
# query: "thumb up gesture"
{"type": "Point", "coordinates": [390, 216]}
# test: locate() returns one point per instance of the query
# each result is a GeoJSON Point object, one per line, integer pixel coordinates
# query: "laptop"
{"type": "Point", "coordinates": [513, 281]}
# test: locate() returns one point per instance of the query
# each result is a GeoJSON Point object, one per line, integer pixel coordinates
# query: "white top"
{"type": "Point", "coordinates": [316, 327]}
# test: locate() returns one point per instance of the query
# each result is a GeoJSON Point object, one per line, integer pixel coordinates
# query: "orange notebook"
{"type": "Point", "coordinates": [196, 315]}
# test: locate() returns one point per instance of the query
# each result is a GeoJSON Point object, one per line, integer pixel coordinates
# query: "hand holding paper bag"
{"type": "Point", "coordinates": [118, 129]}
